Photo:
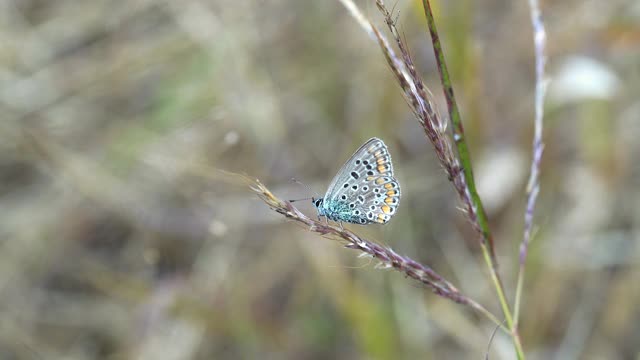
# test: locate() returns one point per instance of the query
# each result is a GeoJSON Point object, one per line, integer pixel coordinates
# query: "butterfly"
{"type": "Point", "coordinates": [364, 191]}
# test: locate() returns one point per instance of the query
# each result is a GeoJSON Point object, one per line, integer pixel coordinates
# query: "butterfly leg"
{"type": "Point", "coordinates": [341, 226]}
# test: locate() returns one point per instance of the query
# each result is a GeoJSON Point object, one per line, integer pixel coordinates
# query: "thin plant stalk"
{"type": "Point", "coordinates": [458, 130]}
{"type": "Point", "coordinates": [465, 158]}
{"type": "Point", "coordinates": [533, 185]}
{"type": "Point", "coordinates": [421, 103]}
{"type": "Point", "coordinates": [457, 165]}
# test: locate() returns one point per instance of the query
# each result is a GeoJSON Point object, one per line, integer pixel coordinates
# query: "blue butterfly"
{"type": "Point", "coordinates": [364, 191]}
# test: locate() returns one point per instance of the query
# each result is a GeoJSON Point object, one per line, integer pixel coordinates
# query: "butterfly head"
{"type": "Point", "coordinates": [317, 202]}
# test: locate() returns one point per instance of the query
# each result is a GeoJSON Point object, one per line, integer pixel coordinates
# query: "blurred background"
{"type": "Point", "coordinates": [118, 239]}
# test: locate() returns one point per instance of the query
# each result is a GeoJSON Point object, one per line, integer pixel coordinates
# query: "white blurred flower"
{"type": "Point", "coordinates": [582, 78]}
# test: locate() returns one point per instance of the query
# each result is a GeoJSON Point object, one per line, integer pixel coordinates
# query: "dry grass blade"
{"type": "Point", "coordinates": [386, 257]}
{"type": "Point", "coordinates": [422, 104]}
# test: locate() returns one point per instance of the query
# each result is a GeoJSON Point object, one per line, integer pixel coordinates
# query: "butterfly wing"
{"type": "Point", "coordinates": [366, 184]}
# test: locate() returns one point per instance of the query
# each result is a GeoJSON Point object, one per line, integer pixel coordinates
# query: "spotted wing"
{"type": "Point", "coordinates": [367, 185]}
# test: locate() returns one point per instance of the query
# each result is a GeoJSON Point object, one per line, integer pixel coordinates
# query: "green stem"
{"type": "Point", "coordinates": [516, 305]}
{"type": "Point", "coordinates": [503, 303]}
{"type": "Point", "coordinates": [458, 130]}
{"type": "Point", "coordinates": [465, 159]}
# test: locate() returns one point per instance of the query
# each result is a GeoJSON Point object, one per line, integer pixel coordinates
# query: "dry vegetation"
{"type": "Point", "coordinates": [120, 239]}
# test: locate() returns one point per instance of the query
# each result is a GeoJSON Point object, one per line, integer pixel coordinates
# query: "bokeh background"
{"type": "Point", "coordinates": [119, 239]}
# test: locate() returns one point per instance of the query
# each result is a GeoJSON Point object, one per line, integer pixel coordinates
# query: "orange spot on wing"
{"type": "Point", "coordinates": [380, 161]}
{"type": "Point", "coordinates": [388, 186]}
{"type": "Point", "coordinates": [380, 218]}
{"type": "Point", "coordinates": [385, 209]}
{"type": "Point", "coordinates": [382, 168]}
{"type": "Point", "coordinates": [391, 193]}
{"type": "Point", "coordinates": [370, 178]}
{"type": "Point", "coordinates": [388, 200]}
{"type": "Point", "coordinates": [379, 181]}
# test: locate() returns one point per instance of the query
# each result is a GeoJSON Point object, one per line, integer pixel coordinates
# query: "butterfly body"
{"type": "Point", "coordinates": [364, 191]}
{"type": "Point", "coordinates": [336, 211]}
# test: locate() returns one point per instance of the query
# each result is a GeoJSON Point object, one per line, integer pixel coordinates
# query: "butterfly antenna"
{"type": "Point", "coordinates": [306, 187]}
{"type": "Point", "coordinates": [294, 200]}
